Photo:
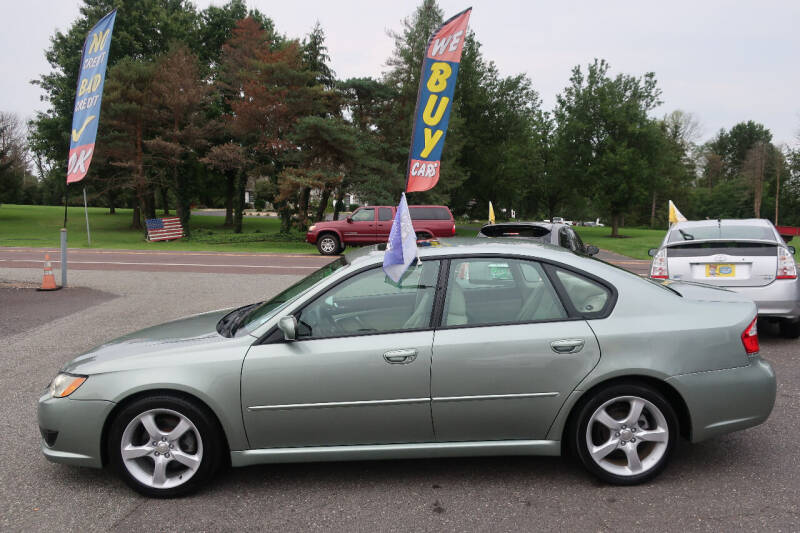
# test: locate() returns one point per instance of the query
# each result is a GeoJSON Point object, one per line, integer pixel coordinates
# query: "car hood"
{"type": "Point", "coordinates": [159, 341]}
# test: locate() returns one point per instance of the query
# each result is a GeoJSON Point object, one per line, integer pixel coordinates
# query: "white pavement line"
{"type": "Point", "coordinates": [73, 262]}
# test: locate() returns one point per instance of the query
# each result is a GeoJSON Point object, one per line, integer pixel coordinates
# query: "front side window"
{"type": "Point", "coordinates": [589, 297]}
{"type": "Point", "coordinates": [489, 291]}
{"type": "Point", "coordinates": [370, 302]}
{"type": "Point", "coordinates": [364, 215]}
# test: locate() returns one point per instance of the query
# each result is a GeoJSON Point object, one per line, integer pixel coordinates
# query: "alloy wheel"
{"type": "Point", "coordinates": [161, 448]}
{"type": "Point", "coordinates": [627, 436]}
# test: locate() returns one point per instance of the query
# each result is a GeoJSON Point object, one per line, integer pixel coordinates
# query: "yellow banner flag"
{"type": "Point", "coordinates": [674, 214]}
{"type": "Point", "coordinates": [491, 213]}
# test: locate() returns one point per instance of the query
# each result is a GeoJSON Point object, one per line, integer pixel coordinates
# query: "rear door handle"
{"type": "Point", "coordinates": [400, 357]}
{"type": "Point", "coordinates": [565, 346]}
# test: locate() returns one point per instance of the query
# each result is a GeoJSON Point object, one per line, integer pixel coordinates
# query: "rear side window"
{"type": "Point", "coordinates": [429, 213]}
{"type": "Point", "coordinates": [588, 297]}
{"type": "Point", "coordinates": [384, 213]}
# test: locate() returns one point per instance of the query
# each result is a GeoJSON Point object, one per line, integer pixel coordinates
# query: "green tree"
{"type": "Point", "coordinates": [606, 140]}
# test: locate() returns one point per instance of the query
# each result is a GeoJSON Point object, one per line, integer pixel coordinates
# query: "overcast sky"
{"type": "Point", "coordinates": [723, 61]}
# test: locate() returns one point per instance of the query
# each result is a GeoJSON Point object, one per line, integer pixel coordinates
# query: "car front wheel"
{"type": "Point", "coordinates": [164, 446]}
{"type": "Point", "coordinates": [328, 244]}
{"type": "Point", "coordinates": [625, 434]}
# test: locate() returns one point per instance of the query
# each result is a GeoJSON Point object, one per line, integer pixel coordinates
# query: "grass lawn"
{"type": "Point", "coordinates": [26, 225]}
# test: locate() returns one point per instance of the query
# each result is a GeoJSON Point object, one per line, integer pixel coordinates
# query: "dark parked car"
{"type": "Point", "coordinates": [545, 232]}
{"type": "Point", "coordinates": [371, 225]}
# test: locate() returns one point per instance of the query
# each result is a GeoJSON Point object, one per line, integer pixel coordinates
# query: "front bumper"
{"type": "Point", "coordinates": [780, 299]}
{"type": "Point", "coordinates": [311, 237]}
{"type": "Point", "coordinates": [722, 401]}
{"type": "Point", "coordinates": [79, 424]}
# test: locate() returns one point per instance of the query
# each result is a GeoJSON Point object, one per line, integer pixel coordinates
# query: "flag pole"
{"type": "Point", "coordinates": [86, 212]}
{"type": "Point", "coordinates": [63, 260]}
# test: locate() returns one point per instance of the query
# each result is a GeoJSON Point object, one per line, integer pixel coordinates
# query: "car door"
{"type": "Point", "coordinates": [385, 219]}
{"type": "Point", "coordinates": [361, 226]}
{"type": "Point", "coordinates": [358, 372]}
{"type": "Point", "coordinates": [505, 374]}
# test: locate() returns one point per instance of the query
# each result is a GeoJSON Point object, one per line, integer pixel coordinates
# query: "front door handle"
{"type": "Point", "coordinates": [400, 357]}
{"type": "Point", "coordinates": [565, 346]}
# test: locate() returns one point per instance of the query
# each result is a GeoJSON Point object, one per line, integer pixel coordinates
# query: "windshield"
{"type": "Point", "coordinates": [724, 231]}
{"type": "Point", "coordinates": [266, 310]}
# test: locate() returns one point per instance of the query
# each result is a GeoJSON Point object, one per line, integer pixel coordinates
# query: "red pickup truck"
{"type": "Point", "coordinates": [371, 225]}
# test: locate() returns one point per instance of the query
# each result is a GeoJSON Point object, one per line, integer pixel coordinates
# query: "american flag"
{"type": "Point", "coordinates": [164, 229]}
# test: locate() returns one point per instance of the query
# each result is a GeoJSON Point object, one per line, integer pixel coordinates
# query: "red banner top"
{"type": "Point", "coordinates": [448, 42]}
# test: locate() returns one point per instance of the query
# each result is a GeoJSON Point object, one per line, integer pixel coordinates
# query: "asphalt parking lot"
{"type": "Point", "coordinates": [745, 481]}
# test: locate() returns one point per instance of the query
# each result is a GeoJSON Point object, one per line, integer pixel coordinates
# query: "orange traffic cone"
{"type": "Point", "coordinates": [48, 280]}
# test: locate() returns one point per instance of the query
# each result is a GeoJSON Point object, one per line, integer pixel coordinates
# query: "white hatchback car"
{"type": "Point", "coordinates": [747, 256]}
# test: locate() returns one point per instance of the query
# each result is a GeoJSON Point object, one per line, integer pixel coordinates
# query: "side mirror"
{"type": "Point", "coordinates": [288, 325]}
{"type": "Point", "coordinates": [349, 220]}
{"type": "Point", "coordinates": [592, 249]}
{"type": "Point", "coordinates": [652, 252]}
{"type": "Point", "coordinates": [791, 249]}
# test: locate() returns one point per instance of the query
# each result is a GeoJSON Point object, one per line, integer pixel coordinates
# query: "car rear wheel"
{"type": "Point", "coordinates": [625, 434]}
{"type": "Point", "coordinates": [790, 329]}
{"type": "Point", "coordinates": [328, 244]}
{"type": "Point", "coordinates": [164, 446]}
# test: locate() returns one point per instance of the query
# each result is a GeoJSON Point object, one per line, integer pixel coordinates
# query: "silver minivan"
{"type": "Point", "coordinates": [747, 256]}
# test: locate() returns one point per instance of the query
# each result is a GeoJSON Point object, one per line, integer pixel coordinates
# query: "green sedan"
{"type": "Point", "coordinates": [482, 348]}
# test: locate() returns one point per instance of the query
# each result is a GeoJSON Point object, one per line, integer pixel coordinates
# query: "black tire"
{"type": "Point", "coordinates": [210, 444]}
{"type": "Point", "coordinates": [421, 236]}
{"type": "Point", "coordinates": [329, 244]}
{"type": "Point", "coordinates": [656, 454]}
{"type": "Point", "coordinates": [790, 329]}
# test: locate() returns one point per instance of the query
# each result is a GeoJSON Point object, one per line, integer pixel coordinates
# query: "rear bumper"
{"type": "Point", "coordinates": [79, 426]}
{"type": "Point", "coordinates": [780, 299]}
{"type": "Point", "coordinates": [722, 401]}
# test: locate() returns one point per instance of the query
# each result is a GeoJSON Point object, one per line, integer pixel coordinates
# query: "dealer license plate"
{"type": "Point", "coordinates": [720, 271]}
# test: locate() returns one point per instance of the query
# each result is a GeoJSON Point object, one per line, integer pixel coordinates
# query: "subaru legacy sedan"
{"type": "Point", "coordinates": [747, 256]}
{"type": "Point", "coordinates": [484, 347]}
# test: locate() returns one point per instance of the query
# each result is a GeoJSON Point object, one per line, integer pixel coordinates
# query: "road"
{"type": "Point", "coordinates": [158, 261]}
{"type": "Point", "coordinates": [740, 482]}
{"type": "Point", "coordinates": [205, 262]}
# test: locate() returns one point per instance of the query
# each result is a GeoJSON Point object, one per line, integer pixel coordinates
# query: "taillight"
{"type": "Point", "coordinates": [786, 267]}
{"type": "Point", "coordinates": [454, 229]}
{"type": "Point", "coordinates": [658, 270]}
{"type": "Point", "coordinates": [750, 338]}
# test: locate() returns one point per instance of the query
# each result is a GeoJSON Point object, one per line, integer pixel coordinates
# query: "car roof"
{"type": "Point", "coordinates": [472, 246]}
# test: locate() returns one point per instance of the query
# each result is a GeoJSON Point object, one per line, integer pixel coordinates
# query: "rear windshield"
{"type": "Point", "coordinates": [695, 249]}
{"type": "Point", "coordinates": [740, 231]}
{"type": "Point", "coordinates": [429, 213]}
{"type": "Point", "coordinates": [511, 230]}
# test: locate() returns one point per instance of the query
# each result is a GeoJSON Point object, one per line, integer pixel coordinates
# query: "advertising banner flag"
{"type": "Point", "coordinates": [434, 101]}
{"type": "Point", "coordinates": [86, 113]}
{"type": "Point", "coordinates": [674, 214]}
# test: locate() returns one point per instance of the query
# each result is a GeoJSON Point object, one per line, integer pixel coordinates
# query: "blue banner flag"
{"type": "Point", "coordinates": [434, 101]}
{"type": "Point", "coordinates": [401, 249]}
{"type": "Point", "coordinates": [88, 96]}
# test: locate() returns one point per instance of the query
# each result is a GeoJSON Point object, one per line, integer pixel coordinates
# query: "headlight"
{"type": "Point", "coordinates": [65, 384]}
{"type": "Point", "coordinates": [312, 228]}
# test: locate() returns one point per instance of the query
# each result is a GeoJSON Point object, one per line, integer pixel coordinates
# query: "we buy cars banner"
{"type": "Point", "coordinates": [434, 101]}
{"type": "Point", "coordinates": [86, 113]}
